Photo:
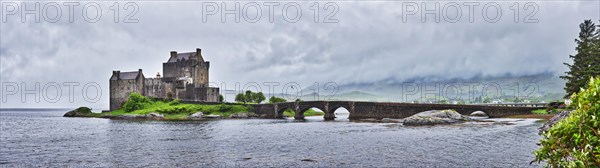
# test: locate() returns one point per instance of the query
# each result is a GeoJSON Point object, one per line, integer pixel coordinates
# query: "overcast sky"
{"type": "Point", "coordinates": [367, 42]}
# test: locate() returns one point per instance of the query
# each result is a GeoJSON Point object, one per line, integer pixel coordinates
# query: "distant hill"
{"type": "Point", "coordinates": [541, 87]}
{"type": "Point", "coordinates": [534, 88]}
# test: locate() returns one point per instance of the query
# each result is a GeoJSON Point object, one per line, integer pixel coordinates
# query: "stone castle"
{"type": "Point", "coordinates": [185, 77]}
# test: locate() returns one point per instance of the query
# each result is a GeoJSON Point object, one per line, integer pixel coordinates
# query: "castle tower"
{"type": "Point", "coordinates": [200, 77]}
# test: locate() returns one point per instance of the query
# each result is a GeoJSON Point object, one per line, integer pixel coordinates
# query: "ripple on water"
{"type": "Point", "coordinates": [44, 138]}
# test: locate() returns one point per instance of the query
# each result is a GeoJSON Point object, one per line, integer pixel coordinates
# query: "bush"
{"type": "Point", "coordinates": [175, 102]}
{"type": "Point", "coordinates": [225, 108]}
{"type": "Point", "coordinates": [135, 102]}
{"type": "Point", "coordinates": [83, 110]}
{"type": "Point", "coordinates": [574, 141]}
{"type": "Point", "coordinates": [274, 99]}
{"type": "Point", "coordinates": [176, 110]}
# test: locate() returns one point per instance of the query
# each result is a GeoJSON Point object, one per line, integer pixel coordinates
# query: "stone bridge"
{"type": "Point", "coordinates": [379, 110]}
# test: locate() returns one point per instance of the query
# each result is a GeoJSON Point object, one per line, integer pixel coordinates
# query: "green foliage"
{"type": "Point", "coordinates": [586, 61]}
{"type": "Point", "coordinates": [175, 102]}
{"type": "Point", "coordinates": [250, 96]}
{"type": "Point", "coordinates": [225, 108]}
{"type": "Point", "coordinates": [135, 102]}
{"type": "Point", "coordinates": [221, 99]}
{"type": "Point", "coordinates": [241, 98]}
{"type": "Point", "coordinates": [487, 100]}
{"type": "Point", "coordinates": [176, 110]}
{"type": "Point", "coordinates": [274, 99]}
{"type": "Point", "coordinates": [259, 97]}
{"type": "Point", "coordinates": [539, 111]}
{"type": "Point", "coordinates": [182, 110]}
{"type": "Point", "coordinates": [309, 112]}
{"type": "Point", "coordinates": [83, 110]}
{"type": "Point", "coordinates": [575, 140]}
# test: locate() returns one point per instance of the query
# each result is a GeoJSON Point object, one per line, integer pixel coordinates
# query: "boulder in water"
{"type": "Point", "coordinates": [434, 117]}
{"type": "Point", "coordinates": [479, 114]}
{"type": "Point", "coordinates": [213, 116]}
{"type": "Point", "coordinates": [243, 115]}
{"type": "Point", "coordinates": [196, 116]}
{"type": "Point", "coordinates": [155, 115]}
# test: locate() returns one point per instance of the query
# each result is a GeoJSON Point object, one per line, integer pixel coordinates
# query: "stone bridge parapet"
{"type": "Point", "coordinates": [379, 110]}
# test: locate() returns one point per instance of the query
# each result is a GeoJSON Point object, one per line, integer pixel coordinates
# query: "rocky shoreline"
{"type": "Point", "coordinates": [86, 113]}
{"type": "Point", "coordinates": [426, 118]}
{"type": "Point", "coordinates": [432, 117]}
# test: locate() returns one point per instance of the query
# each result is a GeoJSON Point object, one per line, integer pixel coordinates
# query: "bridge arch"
{"type": "Point", "coordinates": [341, 112]}
{"type": "Point", "coordinates": [281, 107]}
{"type": "Point", "coordinates": [281, 111]}
{"type": "Point", "coordinates": [335, 105]}
{"type": "Point", "coordinates": [301, 111]}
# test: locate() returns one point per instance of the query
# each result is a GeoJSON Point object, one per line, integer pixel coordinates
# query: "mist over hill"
{"type": "Point", "coordinates": [531, 88]}
{"type": "Point", "coordinates": [544, 87]}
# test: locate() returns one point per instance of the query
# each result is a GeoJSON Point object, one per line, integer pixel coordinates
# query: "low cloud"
{"type": "Point", "coordinates": [370, 43]}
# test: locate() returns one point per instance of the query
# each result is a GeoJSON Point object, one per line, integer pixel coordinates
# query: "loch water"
{"type": "Point", "coordinates": [43, 138]}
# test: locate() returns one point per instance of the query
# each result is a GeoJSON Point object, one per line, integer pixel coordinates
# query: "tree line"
{"type": "Point", "coordinates": [586, 61]}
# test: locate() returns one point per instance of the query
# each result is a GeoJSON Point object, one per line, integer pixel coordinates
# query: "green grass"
{"type": "Point", "coordinates": [539, 111]}
{"type": "Point", "coordinates": [178, 111]}
{"type": "Point", "coordinates": [309, 112]}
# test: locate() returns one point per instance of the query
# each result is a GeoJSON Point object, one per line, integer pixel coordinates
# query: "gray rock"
{"type": "Point", "coordinates": [390, 120]}
{"type": "Point", "coordinates": [243, 115]}
{"type": "Point", "coordinates": [479, 114]}
{"type": "Point", "coordinates": [131, 116]}
{"type": "Point", "coordinates": [434, 117]}
{"type": "Point", "coordinates": [558, 117]}
{"type": "Point", "coordinates": [155, 115]}
{"type": "Point", "coordinates": [149, 116]}
{"type": "Point", "coordinates": [196, 116]}
{"type": "Point", "coordinates": [368, 120]}
{"type": "Point", "coordinates": [213, 116]}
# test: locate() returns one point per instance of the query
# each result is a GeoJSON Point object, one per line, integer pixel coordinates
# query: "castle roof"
{"type": "Point", "coordinates": [182, 56]}
{"type": "Point", "coordinates": [125, 75]}
{"type": "Point", "coordinates": [185, 56]}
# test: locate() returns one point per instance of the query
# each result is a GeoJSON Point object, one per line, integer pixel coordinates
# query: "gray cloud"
{"type": "Point", "coordinates": [369, 44]}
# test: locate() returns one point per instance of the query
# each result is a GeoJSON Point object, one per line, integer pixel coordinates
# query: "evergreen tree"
{"type": "Point", "coordinates": [586, 62]}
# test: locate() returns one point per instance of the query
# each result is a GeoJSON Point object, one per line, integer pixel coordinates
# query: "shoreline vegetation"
{"type": "Point", "coordinates": [141, 107]}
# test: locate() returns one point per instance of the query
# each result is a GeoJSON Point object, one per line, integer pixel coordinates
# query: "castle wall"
{"type": "Point", "coordinates": [212, 94]}
{"type": "Point", "coordinates": [155, 87]}
{"type": "Point", "coordinates": [120, 90]}
{"type": "Point", "coordinates": [178, 69]}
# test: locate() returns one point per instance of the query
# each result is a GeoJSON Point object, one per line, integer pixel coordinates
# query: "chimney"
{"type": "Point", "coordinates": [198, 50]}
{"type": "Point", "coordinates": [118, 75]}
{"type": "Point", "coordinates": [174, 54]}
